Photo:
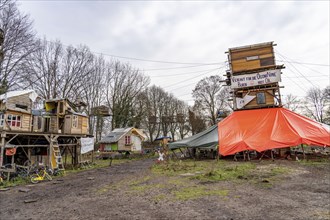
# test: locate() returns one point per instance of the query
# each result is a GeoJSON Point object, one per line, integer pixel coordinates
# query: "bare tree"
{"type": "Point", "coordinates": [154, 99]}
{"type": "Point", "coordinates": [77, 66]}
{"type": "Point", "coordinates": [43, 69]}
{"type": "Point", "coordinates": [182, 119]}
{"type": "Point", "coordinates": [292, 102]}
{"type": "Point", "coordinates": [93, 95]}
{"type": "Point", "coordinates": [124, 83]}
{"type": "Point", "coordinates": [209, 96]}
{"type": "Point", "coordinates": [197, 123]}
{"type": "Point", "coordinates": [19, 43]}
{"type": "Point", "coordinates": [317, 104]}
{"type": "Point", "coordinates": [55, 72]}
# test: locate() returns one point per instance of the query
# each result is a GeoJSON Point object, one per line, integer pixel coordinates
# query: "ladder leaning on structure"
{"type": "Point", "coordinates": [57, 156]}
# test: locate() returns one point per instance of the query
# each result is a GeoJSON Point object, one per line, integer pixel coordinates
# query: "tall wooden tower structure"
{"type": "Point", "coordinates": [254, 76]}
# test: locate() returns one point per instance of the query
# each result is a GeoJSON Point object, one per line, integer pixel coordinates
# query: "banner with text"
{"type": "Point", "coordinates": [87, 144]}
{"type": "Point", "coordinates": [256, 79]}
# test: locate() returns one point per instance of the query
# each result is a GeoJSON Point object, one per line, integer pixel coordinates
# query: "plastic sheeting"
{"type": "Point", "coordinates": [207, 138]}
{"type": "Point", "coordinates": [265, 129]}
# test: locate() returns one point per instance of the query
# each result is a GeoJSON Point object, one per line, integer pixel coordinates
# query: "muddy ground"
{"type": "Point", "coordinates": [132, 191]}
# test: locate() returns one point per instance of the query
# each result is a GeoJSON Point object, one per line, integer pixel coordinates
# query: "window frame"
{"type": "Point", "coordinates": [128, 140]}
{"type": "Point", "coordinates": [14, 120]}
{"type": "Point", "coordinates": [261, 98]}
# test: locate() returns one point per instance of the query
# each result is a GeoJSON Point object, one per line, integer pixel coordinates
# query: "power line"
{"type": "Point", "coordinates": [190, 79]}
{"type": "Point", "coordinates": [297, 70]}
{"type": "Point", "coordinates": [313, 64]}
{"type": "Point", "coordinates": [156, 61]}
{"type": "Point", "coordinates": [181, 67]}
{"type": "Point", "coordinates": [185, 73]}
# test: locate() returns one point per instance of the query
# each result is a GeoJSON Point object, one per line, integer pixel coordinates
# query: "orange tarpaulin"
{"type": "Point", "coordinates": [265, 129]}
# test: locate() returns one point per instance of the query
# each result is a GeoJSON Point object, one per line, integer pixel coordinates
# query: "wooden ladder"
{"type": "Point", "coordinates": [58, 156]}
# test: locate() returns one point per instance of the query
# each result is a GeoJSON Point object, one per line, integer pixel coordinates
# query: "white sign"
{"type": "Point", "coordinates": [256, 79]}
{"type": "Point", "coordinates": [241, 102]}
{"type": "Point", "coordinates": [87, 144]}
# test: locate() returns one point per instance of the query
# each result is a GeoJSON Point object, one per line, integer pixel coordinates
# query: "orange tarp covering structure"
{"type": "Point", "coordinates": [265, 129]}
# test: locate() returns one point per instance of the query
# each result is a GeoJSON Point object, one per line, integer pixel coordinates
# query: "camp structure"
{"type": "Point", "coordinates": [271, 128]}
{"type": "Point", "coordinates": [16, 110]}
{"type": "Point", "coordinates": [30, 136]}
{"type": "Point", "coordinates": [205, 140]}
{"type": "Point", "coordinates": [62, 116]}
{"type": "Point", "coordinates": [122, 140]}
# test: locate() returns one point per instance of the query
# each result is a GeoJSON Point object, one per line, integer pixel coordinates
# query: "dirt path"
{"type": "Point", "coordinates": [131, 191]}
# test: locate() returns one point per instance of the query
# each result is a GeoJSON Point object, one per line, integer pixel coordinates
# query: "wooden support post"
{"type": "Point", "coordinates": [302, 147]}
{"type": "Point", "coordinates": [2, 148]}
{"type": "Point", "coordinates": [174, 154]}
{"type": "Point", "coordinates": [272, 154]}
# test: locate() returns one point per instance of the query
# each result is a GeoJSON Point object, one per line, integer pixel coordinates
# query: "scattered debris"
{"type": "Point", "coordinates": [30, 200]}
{"type": "Point", "coordinates": [187, 174]}
{"type": "Point", "coordinates": [265, 181]}
{"type": "Point", "coordinates": [4, 189]}
{"type": "Point", "coordinates": [24, 190]}
{"type": "Point", "coordinates": [91, 178]}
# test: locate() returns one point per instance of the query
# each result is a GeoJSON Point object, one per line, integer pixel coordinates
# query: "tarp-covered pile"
{"type": "Point", "coordinates": [207, 138]}
{"type": "Point", "coordinates": [265, 129]}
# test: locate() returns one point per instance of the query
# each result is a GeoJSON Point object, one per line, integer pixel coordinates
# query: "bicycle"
{"type": "Point", "coordinates": [40, 176]}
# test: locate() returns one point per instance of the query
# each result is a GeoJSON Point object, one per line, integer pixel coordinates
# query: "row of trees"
{"type": "Point", "coordinates": [57, 71]}
{"type": "Point", "coordinates": [315, 105]}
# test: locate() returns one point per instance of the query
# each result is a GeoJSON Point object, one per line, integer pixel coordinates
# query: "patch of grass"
{"type": "Point", "coordinates": [145, 187]}
{"type": "Point", "coordinates": [171, 168]}
{"type": "Point", "coordinates": [14, 182]}
{"type": "Point", "coordinates": [227, 172]}
{"type": "Point", "coordinates": [315, 162]}
{"type": "Point", "coordinates": [197, 192]}
{"type": "Point", "coordinates": [177, 181]}
{"type": "Point", "coordinates": [279, 170]}
{"type": "Point", "coordinates": [139, 181]}
{"type": "Point", "coordinates": [160, 197]}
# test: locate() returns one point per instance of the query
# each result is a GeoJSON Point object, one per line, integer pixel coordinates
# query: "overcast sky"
{"type": "Point", "coordinates": [193, 33]}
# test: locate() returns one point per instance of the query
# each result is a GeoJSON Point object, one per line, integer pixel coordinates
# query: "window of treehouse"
{"type": "Point", "coordinates": [127, 140]}
{"type": "Point", "coordinates": [21, 106]}
{"type": "Point", "coordinates": [261, 98]}
{"type": "Point", "coordinates": [14, 120]}
{"type": "Point", "coordinates": [75, 121]}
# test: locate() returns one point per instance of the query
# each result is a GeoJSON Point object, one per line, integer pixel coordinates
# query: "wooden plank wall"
{"type": "Point", "coordinates": [264, 57]}
{"type": "Point", "coordinates": [21, 100]}
{"type": "Point", "coordinates": [268, 96]}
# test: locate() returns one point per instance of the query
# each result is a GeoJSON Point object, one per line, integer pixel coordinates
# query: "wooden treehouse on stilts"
{"type": "Point", "coordinates": [50, 136]}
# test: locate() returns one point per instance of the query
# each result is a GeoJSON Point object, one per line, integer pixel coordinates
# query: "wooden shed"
{"type": "Point", "coordinates": [16, 110]}
{"type": "Point", "coordinates": [61, 117]}
{"type": "Point", "coordinates": [122, 139]}
{"type": "Point", "coordinates": [252, 57]}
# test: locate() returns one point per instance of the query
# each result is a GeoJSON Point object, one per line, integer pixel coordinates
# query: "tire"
{"type": "Point", "coordinates": [48, 177]}
{"type": "Point", "coordinates": [34, 178]}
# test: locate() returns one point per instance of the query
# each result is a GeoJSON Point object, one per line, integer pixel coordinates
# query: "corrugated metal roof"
{"type": "Point", "coordinates": [112, 137]}
{"type": "Point", "coordinates": [116, 134]}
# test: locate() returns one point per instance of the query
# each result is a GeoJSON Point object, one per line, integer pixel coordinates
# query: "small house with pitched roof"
{"type": "Point", "coordinates": [122, 139]}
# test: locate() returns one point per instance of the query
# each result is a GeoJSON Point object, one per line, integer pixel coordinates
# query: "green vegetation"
{"type": "Point", "coordinates": [196, 192]}
{"type": "Point", "coordinates": [206, 170]}
{"type": "Point", "coordinates": [14, 182]}
{"type": "Point", "coordinates": [315, 162]}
